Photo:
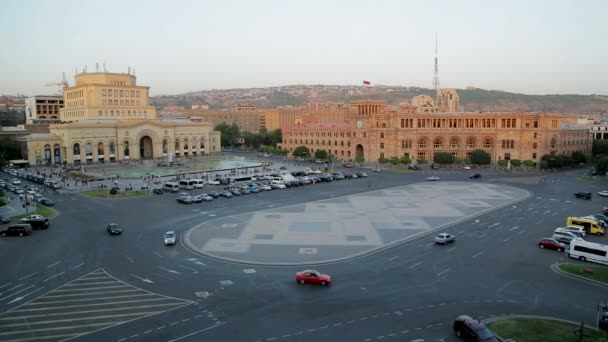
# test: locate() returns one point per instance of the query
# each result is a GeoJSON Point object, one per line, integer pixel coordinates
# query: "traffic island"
{"type": "Point", "coordinates": [598, 274]}
{"type": "Point", "coordinates": [546, 329]}
{"type": "Point", "coordinates": [40, 210]}
{"type": "Point", "coordinates": [107, 193]}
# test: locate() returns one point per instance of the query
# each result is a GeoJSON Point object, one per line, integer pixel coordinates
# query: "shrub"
{"type": "Point", "coordinates": [320, 154]}
{"type": "Point", "coordinates": [301, 151]}
{"type": "Point", "coordinates": [515, 162]}
{"type": "Point", "coordinates": [422, 161]}
{"type": "Point", "coordinates": [360, 159]}
{"type": "Point", "coordinates": [113, 191]}
{"type": "Point", "coordinates": [529, 163]}
{"type": "Point", "coordinates": [2, 202]}
{"type": "Point", "coordinates": [382, 160]}
{"type": "Point", "coordinates": [444, 158]}
{"type": "Point", "coordinates": [480, 157]}
{"type": "Point", "coordinates": [579, 157]}
{"type": "Point", "coordinates": [406, 160]}
{"type": "Point", "coordinates": [2, 193]}
{"type": "Point", "coordinates": [395, 160]}
{"type": "Point", "coordinates": [503, 162]}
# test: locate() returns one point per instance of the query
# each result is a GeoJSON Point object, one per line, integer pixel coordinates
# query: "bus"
{"type": "Point", "coordinates": [590, 225]}
{"type": "Point", "coordinates": [198, 183]}
{"type": "Point", "coordinates": [186, 184]}
{"type": "Point", "coordinates": [171, 186]}
{"type": "Point", "coordinates": [588, 251]}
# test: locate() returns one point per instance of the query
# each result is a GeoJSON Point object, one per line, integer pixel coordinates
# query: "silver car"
{"type": "Point", "coordinates": [170, 238]}
{"type": "Point", "coordinates": [444, 238]}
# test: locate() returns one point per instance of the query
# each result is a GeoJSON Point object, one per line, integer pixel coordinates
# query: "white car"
{"type": "Point", "coordinates": [467, 167]}
{"type": "Point", "coordinates": [266, 187]}
{"type": "Point", "coordinates": [32, 217]}
{"type": "Point", "coordinates": [444, 238]}
{"type": "Point", "coordinates": [433, 179]}
{"type": "Point", "coordinates": [170, 238]}
{"type": "Point", "coordinates": [214, 182]}
{"type": "Point", "coordinates": [603, 193]}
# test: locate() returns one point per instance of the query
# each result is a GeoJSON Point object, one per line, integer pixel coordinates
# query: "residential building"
{"type": "Point", "coordinates": [43, 108]}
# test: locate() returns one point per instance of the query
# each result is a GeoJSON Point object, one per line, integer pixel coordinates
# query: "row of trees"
{"type": "Point", "coordinates": [231, 132]}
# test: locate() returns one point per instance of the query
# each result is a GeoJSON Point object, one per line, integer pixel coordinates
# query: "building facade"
{"type": "Point", "coordinates": [373, 131]}
{"type": "Point", "coordinates": [43, 108]}
{"type": "Point", "coordinates": [247, 120]}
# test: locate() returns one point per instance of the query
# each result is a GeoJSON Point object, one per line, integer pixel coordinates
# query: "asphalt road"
{"type": "Point", "coordinates": [75, 279]}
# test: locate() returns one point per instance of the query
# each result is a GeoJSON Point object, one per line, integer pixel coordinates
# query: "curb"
{"type": "Point", "coordinates": [500, 318]}
{"type": "Point", "coordinates": [555, 268]}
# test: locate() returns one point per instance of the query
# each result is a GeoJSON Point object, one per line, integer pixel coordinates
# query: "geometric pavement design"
{"type": "Point", "coordinates": [92, 302]}
{"type": "Point", "coordinates": [344, 227]}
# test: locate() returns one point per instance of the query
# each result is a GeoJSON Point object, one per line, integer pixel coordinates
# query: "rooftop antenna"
{"type": "Point", "coordinates": [84, 70]}
{"type": "Point", "coordinates": [97, 67]}
{"type": "Point", "coordinates": [133, 71]}
{"type": "Point", "coordinates": [104, 67]}
{"type": "Point", "coordinates": [129, 70]}
{"type": "Point", "coordinates": [436, 75]}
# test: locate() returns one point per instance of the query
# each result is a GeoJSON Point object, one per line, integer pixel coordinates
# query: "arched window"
{"type": "Point", "coordinates": [112, 148]}
{"type": "Point", "coordinates": [422, 143]}
{"type": "Point", "coordinates": [438, 143]}
{"type": "Point", "coordinates": [76, 149]}
{"type": "Point", "coordinates": [553, 142]}
{"type": "Point", "coordinates": [126, 148]}
{"type": "Point", "coordinates": [57, 153]}
{"type": "Point", "coordinates": [47, 153]}
{"type": "Point", "coordinates": [165, 146]}
{"type": "Point", "coordinates": [100, 149]}
{"type": "Point", "coordinates": [470, 143]}
{"type": "Point", "coordinates": [454, 143]}
{"type": "Point", "coordinates": [487, 143]}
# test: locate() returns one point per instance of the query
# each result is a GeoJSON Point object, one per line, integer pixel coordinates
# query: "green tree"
{"type": "Point", "coordinates": [320, 154]}
{"type": "Point", "coordinates": [383, 160]}
{"type": "Point", "coordinates": [515, 162]}
{"type": "Point", "coordinates": [395, 160]}
{"type": "Point", "coordinates": [422, 161]}
{"type": "Point", "coordinates": [599, 147]}
{"type": "Point", "coordinates": [601, 164]}
{"type": "Point", "coordinates": [529, 163]}
{"type": "Point", "coordinates": [406, 160]}
{"type": "Point", "coordinates": [9, 150]}
{"type": "Point", "coordinates": [444, 158]}
{"type": "Point", "coordinates": [503, 162]}
{"type": "Point", "coordinates": [359, 159]}
{"type": "Point", "coordinates": [579, 157]}
{"type": "Point", "coordinates": [276, 136]}
{"type": "Point", "coordinates": [301, 151]}
{"type": "Point", "coordinates": [2, 202]}
{"type": "Point", "coordinates": [229, 133]}
{"type": "Point", "coordinates": [480, 157]}
{"type": "Point", "coordinates": [550, 161]}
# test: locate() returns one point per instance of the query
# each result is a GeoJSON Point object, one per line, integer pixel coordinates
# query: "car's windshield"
{"type": "Point", "coordinates": [485, 334]}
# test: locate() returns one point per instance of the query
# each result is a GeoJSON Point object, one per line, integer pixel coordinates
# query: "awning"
{"type": "Point", "coordinates": [18, 161]}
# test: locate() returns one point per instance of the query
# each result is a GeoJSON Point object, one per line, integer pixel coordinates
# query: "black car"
{"type": "Point", "coordinates": [361, 174]}
{"type": "Point", "coordinates": [326, 178]}
{"type": "Point", "coordinates": [113, 229]}
{"type": "Point", "coordinates": [583, 195]}
{"type": "Point", "coordinates": [19, 229]}
{"type": "Point", "coordinates": [470, 329]}
{"type": "Point", "coordinates": [563, 239]}
{"type": "Point", "coordinates": [213, 194]}
{"type": "Point", "coordinates": [37, 223]}
{"type": "Point", "coordinates": [4, 220]}
{"type": "Point", "coordinates": [475, 176]}
{"type": "Point", "coordinates": [226, 194]}
{"type": "Point", "coordinates": [337, 175]}
{"type": "Point", "coordinates": [235, 191]}
{"type": "Point", "coordinates": [158, 191]}
{"type": "Point", "coordinates": [46, 202]}
{"type": "Point", "coordinates": [348, 175]}
{"type": "Point", "coordinates": [414, 167]}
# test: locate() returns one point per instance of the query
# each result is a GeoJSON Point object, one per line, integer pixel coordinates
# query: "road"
{"type": "Point", "coordinates": [75, 280]}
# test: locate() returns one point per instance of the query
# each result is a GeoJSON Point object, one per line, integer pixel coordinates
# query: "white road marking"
{"type": "Point", "coordinates": [451, 249]}
{"type": "Point", "coordinates": [75, 267]}
{"type": "Point", "coordinates": [188, 268]}
{"type": "Point", "coordinates": [393, 258]}
{"type": "Point", "coordinates": [56, 275]}
{"type": "Point", "coordinates": [226, 282]}
{"type": "Point", "coordinates": [539, 222]}
{"type": "Point", "coordinates": [53, 264]}
{"type": "Point", "coordinates": [476, 222]}
{"type": "Point", "coordinates": [168, 270]}
{"type": "Point", "coordinates": [476, 255]}
{"type": "Point", "coordinates": [507, 239]}
{"type": "Point", "coordinates": [143, 279]}
{"type": "Point", "coordinates": [249, 270]}
{"type": "Point", "coordinates": [512, 229]}
{"type": "Point", "coordinates": [442, 272]}
{"type": "Point", "coordinates": [147, 331]}
{"type": "Point", "coordinates": [27, 276]}
{"type": "Point", "coordinates": [211, 215]}
{"type": "Point", "coordinates": [160, 256]}
{"type": "Point", "coordinates": [546, 212]}
{"type": "Point", "coordinates": [416, 264]}
{"type": "Point", "coordinates": [131, 260]}
{"type": "Point", "coordinates": [3, 298]}
{"type": "Point", "coordinates": [494, 224]}
{"type": "Point", "coordinates": [5, 285]}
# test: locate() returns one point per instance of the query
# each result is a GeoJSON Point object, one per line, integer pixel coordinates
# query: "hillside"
{"type": "Point", "coordinates": [471, 100]}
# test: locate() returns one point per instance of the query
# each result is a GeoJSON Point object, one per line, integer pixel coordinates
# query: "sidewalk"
{"type": "Point", "coordinates": [14, 206]}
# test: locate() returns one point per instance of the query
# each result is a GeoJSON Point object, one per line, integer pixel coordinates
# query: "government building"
{"type": "Point", "coordinates": [373, 130]}
{"type": "Point", "coordinates": [106, 117]}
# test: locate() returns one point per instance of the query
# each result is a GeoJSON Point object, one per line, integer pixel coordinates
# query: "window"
{"type": "Point", "coordinates": [383, 125]}
{"type": "Point", "coordinates": [116, 93]}
{"type": "Point", "coordinates": [103, 92]}
{"type": "Point", "coordinates": [422, 143]}
{"type": "Point", "coordinates": [534, 155]}
{"type": "Point", "coordinates": [534, 146]}
{"type": "Point", "coordinates": [132, 93]}
{"type": "Point", "coordinates": [535, 124]}
{"type": "Point", "coordinates": [487, 143]}
{"type": "Point", "coordinates": [381, 145]}
{"type": "Point", "coordinates": [590, 250]}
{"type": "Point", "coordinates": [437, 143]}
{"type": "Point", "coordinates": [382, 155]}
{"type": "Point", "coordinates": [381, 135]}
{"type": "Point", "coordinates": [454, 143]}
{"type": "Point", "coordinates": [535, 135]}
{"type": "Point", "coordinates": [402, 122]}
{"type": "Point", "coordinates": [122, 93]}
{"type": "Point", "coordinates": [507, 156]}
{"type": "Point", "coordinates": [553, 123]}
{"type": "Point", "coordinates": [470, 143]}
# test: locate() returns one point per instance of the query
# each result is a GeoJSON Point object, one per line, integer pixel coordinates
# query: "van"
{"type": "Point", "coordinates": [590, 226]}
{"type": "Point", "coordinates": [198, 183]}
{"type": "Point", "coordinates": [579, 231]}
{"type": "Point", "coordinates": [171, 186]}
{"type": "Point", "coordinates": [559, 232]}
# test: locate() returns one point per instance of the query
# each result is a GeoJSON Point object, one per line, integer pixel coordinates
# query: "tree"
{"type": "Point", "coordinates": [529, 163]}
{"type": "Point", "coordinates": [515, 162]}
{"type": "Point", "coordinates": [9, 150]}
{"type": "Point", "coordinates": [395, 160]}
{"type": "Point", "coordinates": [276, 136]}
{"type": "Point", "coordinates": [480, 157]}
{"type": "Point", "coordinates": [601, 164]}
{"type": "Point", "coordinates": [599, 147]}
{"type": "Point", "coordinates": [229, 133]}
{"type": "Point", "coordinates": [359, 159]}
{"type": "Point", "coordinates": [301, 151]}
{"type": "Point", "coordinates": [444, 158]}
{"type": "Point", "coordinates": [320, 154]}
{"type": "Point", "coordinates": [383, 160]}
{"type": "Point", "coordinates": [503, 162]}
{"type": "Point", "coordinates": [406, 160]}
{"type": "Point", "coordinates": [579, 157]}
{"type": "Point", "coordinates": [422, 161]}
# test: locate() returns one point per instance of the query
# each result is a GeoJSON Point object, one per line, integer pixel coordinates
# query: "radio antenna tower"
{"type": "Point", "coordinates": [436, 75]}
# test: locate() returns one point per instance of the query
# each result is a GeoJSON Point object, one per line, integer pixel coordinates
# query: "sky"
{"type": "Point", "coordinates": [533, 47]}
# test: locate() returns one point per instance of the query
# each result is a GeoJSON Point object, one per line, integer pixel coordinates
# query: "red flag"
{"type": "Point", "coordinates": [367, 83]}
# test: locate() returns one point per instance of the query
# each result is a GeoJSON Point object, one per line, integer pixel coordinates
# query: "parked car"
{"type": "Point", "coordinates": [265, 187]}
{"type": "Point", "coordinates": [197, 199]}
{"type": "Point", "coordinates": [206, 197]}
{"type": "Point", "coordinates": [46, 202]}
{"type": "Point", "coordinates": [361, 174]}
{"type": "Point", "coordinates": [235, 191]}
{"type": "Point", "coordinates": [414, 167]}
{"type": "Point", "coordinates": [214, 182]}
{"type": "Point", "coordinates": [551, 243]}
{"type": "Point", "coordinates": [444, 238]}
{"type": "Point", "coordinates": [185, 199]}
{"type": "Point", "coordinates": [475, 176]}
{"type": "Point", "coordinates": [19, 229]}
{"type": "Point", "coordinates": [213, 194]}
{"type": "Point", "coordinates": [471, 329]}
{"type": "Point", "coordinates": [583, 195]}
{"type": "Point", "coordinates": [37, 223]}
{"type": "Point", "coordinates": [326, 178]}
{"type": "Point", "coordinates": [169, 238]}
{"type": "Point", "coordinates": [31, 217]}
{"type": "Point", "coordinates": [158, 191]}
{"type": "Point", "coordinates": [4, 220]}
{"type": "Point", "coordinates": [603, 193]}
{"type": "Point", "coordinates": [348, 165]}
{"type": "Point", "coordinates": [433, 178]}
{"type": "Point", "coordinates": [254, 189]}
{"type": "Point", "coordinates": [226, 194]}
{"type": "Point", "coordinates": [348, 175]}
{"type": "Point", "coordinates": [113, 229]}
{"type": "Point", "coordinates": [564, 240]}
{"type": "Point", "coordinates": [312, 277]}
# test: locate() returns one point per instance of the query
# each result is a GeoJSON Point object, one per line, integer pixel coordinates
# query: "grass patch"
{"type": "Point", "coordinates": [397, 169]}
{"type": "Point", "coordinates": [599, 273]}
{"type": "Point", "coordinates": [588, 179]}
{"type": "Point", "coordinates": [41, 210]}
{"type": "Point", "coordinates": [536, 330]}
{"type": "Point", "coordinates": [106, 193]}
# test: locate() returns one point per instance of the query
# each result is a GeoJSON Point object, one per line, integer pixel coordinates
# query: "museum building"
{"type": "Point", "coordinates": [107, 117]}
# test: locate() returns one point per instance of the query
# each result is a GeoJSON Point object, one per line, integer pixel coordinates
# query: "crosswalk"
{"type": "Point", "coordinates": [92, 302]}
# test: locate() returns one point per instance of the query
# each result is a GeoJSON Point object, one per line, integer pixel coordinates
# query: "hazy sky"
{"type": "Point", "coordinates": [534, 47]}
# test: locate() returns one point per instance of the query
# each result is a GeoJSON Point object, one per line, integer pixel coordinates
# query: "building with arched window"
{"type": "Point", "coordinates": [373, 131]}
{"type": "Point", "coordinates": [107, 118]}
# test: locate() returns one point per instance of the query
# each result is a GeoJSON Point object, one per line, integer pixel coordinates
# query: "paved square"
{"type": "Point", "coordinates": [344, 227]}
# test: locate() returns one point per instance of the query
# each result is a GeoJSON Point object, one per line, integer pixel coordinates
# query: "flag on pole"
{"type": "Point", "coordinates": [367, 83]}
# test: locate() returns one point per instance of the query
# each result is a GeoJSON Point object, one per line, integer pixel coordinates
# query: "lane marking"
{"type": "Point", "coordinates": [512, 229]}
{"type": "Point", "coordinates": [160, 256]}
{"type": "Point", "coordinates": [18, 286]}
{"type": "Point", "coordinates": [416, 264]}
{"type": "Point", "coordinates": [131, 260]}
{"type": "Point", "coordinates": [91, 293]}
{"type": "Point", "coordinates": [476, 255]}
{"type": "Point", "coordinates": [29, 287]}
{"type": "Point", "coordinates": [495, 224]}
{"type": "Point", "coordinates": [451, 249]}
{"type": "Point", "coordinates": [442, 272]}
{"type": "Point", "coordinates": [507, 239]}
{"type": "Point", "coordinates": [53, 264]}
{"type": "Point", "coordinates": [92, 311]}
{"type": "Point", "coordinates": [56, 275]}
{"type": "Point", "coordinates": [539, 222]}
{"type": "Point", "coordinates": [393, 258]}
{"type": "Point", "coordinates": [5, 285]}
{"type": "Point", "coordinates": [197, 332]}
{"type": "Point", "coordinates": [87, 299]}
{"type": "Point", "coordinates": [25, 295]}
{"type": "Point", "coordinates": [75, 267]}
{"type": "Point", "coordinates": [27, 276]}
{"type": "Point", "coordinates": [188, 268]}
{"type": "Point", "coordinates": [96, 304]}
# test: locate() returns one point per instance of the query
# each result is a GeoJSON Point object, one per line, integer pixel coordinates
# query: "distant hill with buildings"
{"type": "Point", "coordinates": [471, 99]}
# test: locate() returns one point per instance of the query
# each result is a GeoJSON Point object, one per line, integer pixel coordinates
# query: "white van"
{"type": "Point", "coordinates": [559, 232]}
{"type": "Point", "coordinates": [171, 186]}
{"type": "Point", "coordinates": [579, 231]}
{"type": "Point", "coordinates": [198, 183]}
{"type": "Point", "coordinates": [588, 251]}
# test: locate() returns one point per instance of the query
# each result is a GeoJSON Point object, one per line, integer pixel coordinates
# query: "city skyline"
{"type": "Point", "coordinates": [520, 47]}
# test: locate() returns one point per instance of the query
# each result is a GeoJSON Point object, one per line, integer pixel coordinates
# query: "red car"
{"type": "Point", "coordinates": [312, 277]}
{"type": "Point", "coordinates": [470, 329]}
{"type": "Point", "coordinates": [550, 243]}
{"type": "Point", "coordinates": [348, 165]}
